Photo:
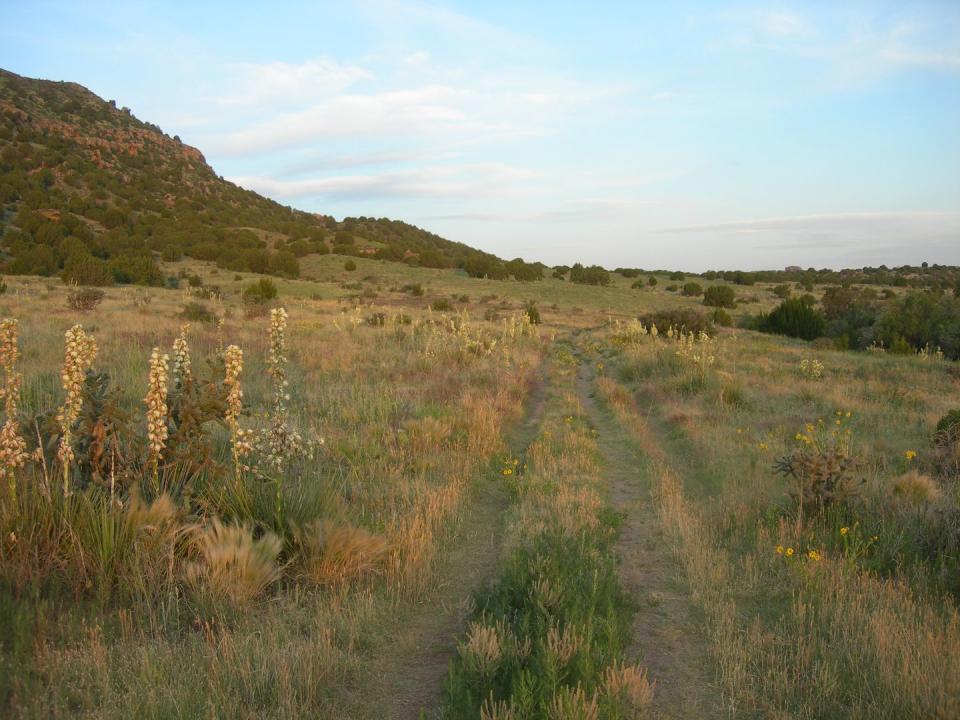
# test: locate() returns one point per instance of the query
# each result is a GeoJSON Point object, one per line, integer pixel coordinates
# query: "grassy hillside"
{"type": "Point", "coordinates": [82, 178]}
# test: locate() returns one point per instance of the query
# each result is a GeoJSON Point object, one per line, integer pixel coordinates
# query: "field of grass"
{"type": "Point", "coordinates": [363, 507]}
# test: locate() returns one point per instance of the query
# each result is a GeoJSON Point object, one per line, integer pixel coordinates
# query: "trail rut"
{"type": "Point", "coordinates": [667, 639]}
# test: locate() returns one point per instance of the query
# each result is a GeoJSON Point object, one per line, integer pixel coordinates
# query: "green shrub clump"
{"type": "Point", "coordinates": [721, 296]}
{"type": "Point", "coordinates": [796, 318]}
{"type": "Point", "coordinates": [692, 289]}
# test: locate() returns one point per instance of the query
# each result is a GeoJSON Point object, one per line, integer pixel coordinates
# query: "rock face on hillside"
{"type": "Point", "coordinates": [81, 177]}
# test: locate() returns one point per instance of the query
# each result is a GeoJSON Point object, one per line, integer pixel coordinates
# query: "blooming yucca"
{"type": "Point", "coordinates": [182, 371]}
{"type": "Point", "coordinates": [80, 352]}
{"type": "Point", "coordinates": [156, 401]}
{"type": "Point", "coordinates": [13, 448]}
{"type": "Point", "coordinates": [233, 364]}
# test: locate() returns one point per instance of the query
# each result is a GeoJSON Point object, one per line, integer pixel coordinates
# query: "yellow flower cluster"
{"type": "Point", "coordinates": [910, 455]}
{"type": "Point", "coordinates": [79, 355]}
{"type": "Point", "coordinates": [156, 401]}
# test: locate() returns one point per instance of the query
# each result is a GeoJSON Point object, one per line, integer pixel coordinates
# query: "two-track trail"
{"type": "Point", "coordinates": [405, 681]}
{"type": "Point", "coordinates": [667, 639]}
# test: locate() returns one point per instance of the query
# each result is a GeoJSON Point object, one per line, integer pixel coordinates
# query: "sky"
{"type": "Point", "coordinates": [683, 135]}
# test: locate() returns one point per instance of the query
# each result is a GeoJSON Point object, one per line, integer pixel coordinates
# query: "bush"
{"type": "Point", "coordinates": [261, 291]}
{"type": "Point", "coordinates": [721, 317]}
{"type": "Point", "coordinates": [349, 266]}
{"type": "Point", "coordinates": [721, 296]}
{"type": "Point", "coordinates": [86, 270]}
{"type": "Point", "coordinates": [197, 312]}
{"type": "Point", "coordinates": [794, 318]}
{"type": "Point", "coordinates": [782, 291]}
{"type": "Point", "coordinates": [593, 275]}
{"type": "Point", "coordinates": [692, 289]}
{"type": "Point", "coordinates": [652, 281]}
{"type": "Point", "coordinates": [949, 422]}
{"type": "Point", "coordinates": [441, 305]}
{"type": "Point", "coordinates": [533, 313]}
{"type": "Point", "coordinates": [415, 289]}
{"type": "Point", "coordinates": [681, 319]}
{"type": "Point", "coordinates": [676, 275]}
{"type": "Point", "coordinates": [84, 299]}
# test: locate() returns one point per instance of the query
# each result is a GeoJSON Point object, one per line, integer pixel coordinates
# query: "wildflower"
{"type": "Point", "coordinates": [814, 555]}
{"type": "Point", "coordinates": [508, 471]}
{"type": "Point", "coordinates": [844, 530]}
{"type": "Point", "coordinates": [762, 446]}
{"type": "Point", "coordinates": [156, 401]}
{"type": "Point", "coordinates": [80, 352]}
{"type": "Point", "coordinates": [13, 448]}
{"type": "Point", "coordinates": [779, 549]}
{"type": "Point", "coordinates": [789, 552]}
{"type": "Point", "coordinates": [233, 357]}
{"type": "Point", "coordinates": [181, 359]}
{"type": "Point", "coordinates": [910, 454]}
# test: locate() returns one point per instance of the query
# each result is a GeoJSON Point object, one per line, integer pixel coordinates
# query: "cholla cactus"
{"type": "Point", "coordinates": [81, 351]}
{"type": "Point", "coordinates": [156, 401]}
{"type": "Point", "coordinates": [182, 371]}
{"type": "Point", "coordinates": [239, 443]}
{"type": "Point", "coordinates": [13, 448]}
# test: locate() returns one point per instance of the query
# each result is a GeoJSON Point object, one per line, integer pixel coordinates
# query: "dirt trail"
{"type": "Point", "coordinates": [667, 639]}
{"type": "Point", "coordinates": [407, 681]}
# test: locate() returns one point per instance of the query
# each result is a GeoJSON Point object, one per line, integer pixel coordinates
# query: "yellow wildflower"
{"type": "Point", "coordinates": [789, 552]}
{"type": "Point", "coordinates": [779, 549]}
{"type": "Point", "coordinates": [844, 530]}
{"type": "Point", "coordinates": [814, 555]}
{"type": "Point", "coordinates": [910, 454]}
{"type": "Point", "coordinates": [508, 471]}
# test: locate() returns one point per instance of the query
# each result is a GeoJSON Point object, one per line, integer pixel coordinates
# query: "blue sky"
{"type": "Point", "coordinates": [687, 135]}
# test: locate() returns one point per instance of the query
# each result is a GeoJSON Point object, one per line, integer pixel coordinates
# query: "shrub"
{"type": "Point", "coordinates": [949, 422]}
{"type": "Point", "coordinates": [593, 275]}
{"type": "Point", "coordinates": [533, 313]}
{"type": "Point", "coordinates": [721, 296]}
{"type": "Point", "coordinates": [82, 269]}
{"type": "Point", "coordinates": [692, 289]}
{"type": "Point", "coordinates": [441, 305]}
{"type": "Point", "coordinates": [677, 275]}
{"type": "Point", "coordinates": [197, 312]}
{"type": "Point", "coordinates": [84, 299]}
{"type": "Point", "coordinates": [794, 318]}
{"type": "Point", "coordinates": [782, 291]}
{"type": "Point", "coordinates": [261, 291]}
{"type": "Point", "coordinates": [652, 281]}
{"type": "Point", "coordinates": [681, 319]}
{"type": "Point", "coordinates": [349, 266]}
{"type": "Point", "coordinates": [195, 281]}
{"type": "Point", "coordinates": [721, 317]}
{"type": "Point", "coordinates": [415, 289]}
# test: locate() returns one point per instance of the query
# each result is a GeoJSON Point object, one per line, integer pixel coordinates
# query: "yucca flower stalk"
{"type": "Point", "coordinates": [156, 401]}
{"type": "Point", "coordinates": [79, 354]}
{"type": "Point", "coordinates": [182, 370]}
{"type": "Point", "coordinates": [13, 448]}
{"type": "Point", "coordinates": [280, 441]}
{"type": "Point", "coordinates": [239, 444]}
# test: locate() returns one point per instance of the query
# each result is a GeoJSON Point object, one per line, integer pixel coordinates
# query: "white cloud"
{"type": "Point", "coordinates": [468, 180]}
{"type": "Point", "coordinates": [256, 85]}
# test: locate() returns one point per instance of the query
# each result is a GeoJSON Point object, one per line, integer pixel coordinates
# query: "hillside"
{"type": "Point", "coordinates": [90, 191]}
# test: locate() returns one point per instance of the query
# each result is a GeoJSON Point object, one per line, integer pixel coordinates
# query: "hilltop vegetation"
{"type": "Point", "coordinates": [90, 192]}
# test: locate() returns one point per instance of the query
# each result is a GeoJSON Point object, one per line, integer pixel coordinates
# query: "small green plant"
{"type": "Point", "coordinates": [349, 266]}
{"type": "Point", "coordinates": [441, 305]}
{"type": "Point", "coordinates": [533, 313]}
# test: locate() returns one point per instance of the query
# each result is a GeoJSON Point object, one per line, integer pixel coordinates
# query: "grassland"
{"type": "Point", "coordinates": [469, 515]}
